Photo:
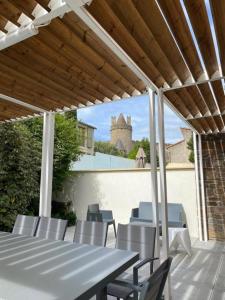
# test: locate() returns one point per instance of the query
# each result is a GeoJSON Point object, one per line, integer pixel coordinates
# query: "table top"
{"type": "Point", "coordinates": [33, 268]}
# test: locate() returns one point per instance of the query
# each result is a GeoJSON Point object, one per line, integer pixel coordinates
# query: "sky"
{"type": "Point", "coordinates": [138, 108]}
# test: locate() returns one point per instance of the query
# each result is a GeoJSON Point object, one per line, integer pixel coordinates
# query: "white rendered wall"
{"type": "Point", "coordinates": [121, 190]}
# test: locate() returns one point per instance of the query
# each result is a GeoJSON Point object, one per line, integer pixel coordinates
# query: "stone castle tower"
{"type": "Point", "coordinates": [121, 133]}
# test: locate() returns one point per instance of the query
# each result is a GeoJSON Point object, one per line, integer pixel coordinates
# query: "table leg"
{"type": "Point", "coordinates": [102, 294]}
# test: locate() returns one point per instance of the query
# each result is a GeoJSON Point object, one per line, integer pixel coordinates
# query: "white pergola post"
{"type": "Point", "coordinates": [153, 158]}
{"type": "Point", "coordinates": [163, 187]}
{"type": "Point", "coordinates": [202, 184]}
{"type": "Point", "coordinates": [47, 165]}
{"type": "Point", "coordinates": [197, 179]}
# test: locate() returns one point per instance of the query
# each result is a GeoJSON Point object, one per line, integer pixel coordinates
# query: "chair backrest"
{"type": "Point", "coordinates": [145, 210]}
{"type": "Point", "coordinates": [94, 217]}
{"type": "Point", "coordinates": [25, 225]}
{"type": "Point", "coordinates": [107, 214]}
{"type": "Point", "coordinates": [93, 208]}
{"type": "Point", "coordinates": [175, 212]}
{"type": "Point", "coordinates": [153, 288]}
{"type": "Point", "coordinates": [92, 233]}
{"type": "Point", "coordinates": [51, 228]}
{"type": "Point", "coordinates": [138, 238]}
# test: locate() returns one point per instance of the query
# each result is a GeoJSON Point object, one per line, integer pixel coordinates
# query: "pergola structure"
{"type": "Point", "coordinates": [61, 55]}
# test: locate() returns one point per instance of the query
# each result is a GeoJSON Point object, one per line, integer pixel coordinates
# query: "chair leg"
{"type": "Point", "coordinates": [114, 226]}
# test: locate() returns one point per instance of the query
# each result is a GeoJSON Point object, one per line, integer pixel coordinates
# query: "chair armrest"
{"type": "Point", "coordinates": [106, 214]}
{"type": "Point", "coordinates": [141, 264]}
{"type": "Point", "coordinates": [127, 284]}
{"type": "Point", "coordinates": [135, 212]}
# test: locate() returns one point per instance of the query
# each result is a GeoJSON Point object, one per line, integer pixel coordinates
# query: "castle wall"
{"type": "Point", "coordinates": [125, 135]}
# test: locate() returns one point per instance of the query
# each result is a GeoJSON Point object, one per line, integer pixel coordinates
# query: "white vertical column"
{"type": "Point", "coordinates": [163, 187]}
{"type": "Point", "coordinates": [153, 158]}
{"type": "Point", "coordinates": [197, 177]}
{"type": "Point", "coordinates": [205, 229]}
{"type": "Point", "coordinates": [47, 165]}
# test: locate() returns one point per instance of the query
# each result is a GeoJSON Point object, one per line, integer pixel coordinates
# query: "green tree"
{"type": "Point", "coordinates": [107, 148]}
{"type": "Point", "coordinates": [190, 146]}
{"type": "Point", "coordinates": [20, 161]}
{"type": "Point", "coordinates": [19, 173]}
{"type": "Point", "coordinates": [66, 144]}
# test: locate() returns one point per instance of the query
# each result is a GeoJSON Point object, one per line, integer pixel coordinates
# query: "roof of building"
{"type": "Point", "coordinates": [86, 124]}
{"type": "Point", "coordinates": [102, 161]}
{"type": "Point", "coordinates": [121, 120]}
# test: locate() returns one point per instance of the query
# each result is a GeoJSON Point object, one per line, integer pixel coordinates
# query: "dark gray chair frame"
{"type": "Point", "coordinates": [95, 214]}
{"type": "Point", "coordinates": [25, 225]}
{"type": "Point", "coordinates": [152, 289]}
{"type": "Point", "coordinates": [135, 243]}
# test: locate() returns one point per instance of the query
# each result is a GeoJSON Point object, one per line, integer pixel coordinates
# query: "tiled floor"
{"type": "Point", "coordinates": [199, 277]}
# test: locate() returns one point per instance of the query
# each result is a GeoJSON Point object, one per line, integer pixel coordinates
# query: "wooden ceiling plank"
{"type": "Point", "coordinates": [44, 4]}
{"type": "Point", "coordinates": [59, 29]}
{"type": "Point", "coordinates": [150, 12]}
{"type": "Point", "coordinates": [139, 30]}
{"type": "Point", "coordinates": [207, 94]}
{"type": "Point", "coordinates": [197, 97]}
{"type": "Point", "coordinates": [15, 88]}
{"type": "Point", "coordinates": [37, 87]}
{"type": "Point", "coordinates": [9, 12]}
{"type": "Point", "coordinates": [52, 41]}
{"type": "Point", "coordinates": [42, 66]}
{"type": "Point", "coordinates": [197, 125]}
{"type": "Point", "coordinates": [3, 22]}
{"type": "Point", "coordinates": [43, 83]}
{"type": "Point", "coordinates": [175, 17]}
{"type": "Point", "coordinates": [25, 6]}
{"type": "Point", "coordinates": [91, 39]}
{"type": "Point", "coordinates": [189, 101]}
{"type": "Point", "coordinates": [174, 98]}
{"type": "Point", "coordinates": [219, 93]}
{"type": "Point", "coordinates": [219, 122]}
{"type": "Point", "coordinates": [67, 69]}
{"type": "Point", "coordinates": [218, 12]}
{"type": "Point", "coordinates": [198, 15]}
{"type": "Point", "coordinates": [101, 11]}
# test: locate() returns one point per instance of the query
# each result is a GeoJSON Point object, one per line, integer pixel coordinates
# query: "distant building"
{"type": "Point", "coordinates": [86, 134]}
{"type": "Point", "coordinates": [121, 133]}
{"type": "Point", "coordinates": [179, 153]}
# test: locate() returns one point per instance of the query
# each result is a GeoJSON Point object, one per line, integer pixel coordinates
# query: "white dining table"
{"type": "Point", "coordinates": [39, 269]}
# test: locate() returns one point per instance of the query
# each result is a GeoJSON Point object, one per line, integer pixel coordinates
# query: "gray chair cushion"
{"type": "Point", "coordinates": [52, 229]}
{"type": "Point", "coordinates": [25, 225]}
{"type": "Point", "coordinates": [92, 233]}
{"type": "Point", "coordinates": [136, 238]}
{"type": "Point", "coordinates": [175, 214]}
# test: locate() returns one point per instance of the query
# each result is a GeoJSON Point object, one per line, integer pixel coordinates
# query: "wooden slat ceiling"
{"type": "Point", "coordinates": [67, 65]}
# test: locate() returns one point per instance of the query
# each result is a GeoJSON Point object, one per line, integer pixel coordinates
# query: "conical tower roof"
{"type": "Point", "coordinates": [121, 120]}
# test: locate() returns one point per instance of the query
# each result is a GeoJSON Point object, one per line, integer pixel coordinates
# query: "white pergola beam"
{"type": "Point", "coordinates": [47, 165]}
{"type": "Point", "coordinates": [31, 29]}
{"type": "Point", "coordinates": [21, 103]}
{"type": "Point", "coordinates": [196, 83]}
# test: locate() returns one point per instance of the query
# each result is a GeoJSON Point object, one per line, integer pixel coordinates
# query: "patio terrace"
{"type": "Point", "coordinates": [62, 55]}
{"type": "Point", "coordinates": [199, 277]}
